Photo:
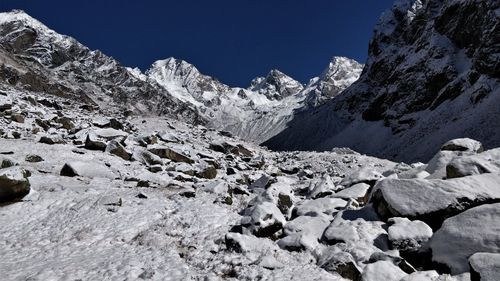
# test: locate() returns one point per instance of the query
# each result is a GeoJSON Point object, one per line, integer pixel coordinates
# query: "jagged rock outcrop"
{"type": "Point", "coordinates": [432, 75]}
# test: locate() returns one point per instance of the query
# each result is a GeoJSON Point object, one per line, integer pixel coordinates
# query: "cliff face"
{"type": "Point", "coordinates": [432, 74]}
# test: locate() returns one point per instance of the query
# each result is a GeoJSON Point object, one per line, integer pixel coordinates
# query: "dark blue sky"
{"type": "Point", "coordinates": [233, 40]}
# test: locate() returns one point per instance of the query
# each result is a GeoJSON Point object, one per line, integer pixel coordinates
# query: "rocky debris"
{"type": "Point", "coordinates": [115, 148]}
{"type": "Point", "coordinates": [432, 201]}
{"type": "Point", "coordinates": [19, 118]}
{"type": "Point", "coordinates": [382, 270]}
{"type": "Point", "coordinates": [485, 266]}
{"type": "Point", "coordinates": [473, 231]}
{"type": "Point", "coordinates": [170, 153]}
{"type": "Point", "coordinates": [323, 188]}
{"type": "Point", "coordinates": [14, 183]}
{"type": "Point", "coordinates": [464, 144]}
{"type": "Point", "coordinates": [52, 139]}
{"type": "Point", "coordinates": [207, 172]}
{"type": "Point", "coordinates": [66, 122]}
{"type": "Point", "coordinates": [86, 169]}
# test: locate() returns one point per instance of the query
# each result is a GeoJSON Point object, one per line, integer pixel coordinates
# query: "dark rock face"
{"type": "Point", "coordinates": [432, 75]}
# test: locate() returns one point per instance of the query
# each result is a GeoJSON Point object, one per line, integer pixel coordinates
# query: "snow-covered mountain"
{"type": "Point", "coordinates": [260, 111]}
{"type": "Point", "coordinates": [47, 61]}
{"type": "Point", "coordinates": [432, 75]}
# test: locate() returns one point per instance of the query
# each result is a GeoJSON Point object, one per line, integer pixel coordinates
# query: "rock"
{"type": "Point", "coordinates": [155, 168]}
{"type": "Point", "coordinates": [270, 262]}
{"type": "Point", "coordinates": [464, 144]}
{"type": "Point", "coordinates": [143, 183]}
{"type": "Point", "coordinates": [323, 188]}
{"type": "Point", "coordinates": [432, 201]}
{"type": "Point", "coordinates": [423, 276]}
{"type": "Point", "coordinates": [224, 147]}
{"type": "Point", "coordinates": [341, 263]}
{"type": "Point", "coordinates": [206, 172]}
{"type": "Point", "coordinates": [263, 219]}
{"type": "Point", "coordinates": [357, 235]}
{"type": "Point", "coordinates": [116, 124]}
{"type": "Point", "coordinates": [6, 162]}
{"type": "Point", "coordinates": [52, 139]}
{"type": "Point", "coordinates": [306, 232]}
{"type": "Point", "coordinates": [172, 154]}
{"type": "Point", "coordinates": [93, 143]}
{"type": "Point", "coordinates": [406, 235]}
{"type": "Point", "coordinates": [485, 267]}
{"type": "Point", "coordinates": [33, 158]}
{"type": "Point", "coordinates": [66, 122]}
{"type": "Point", "coordinates": [473, 231]}
{"type": "Point", "coordinates": [382, 270]}
{"type": "Point", "coordinates": [262, 183]}
{"type": "Point", "coordinates": [146, 157]}
{"type": "Point", "coordinates": [365, 175]}
{"type": "Point", "coordinates": [319, 207]}
{"type": "Point", "coordinates": [14, 183]}
{"type": "Point", "coordinates": [240, 243]}
{"type": "Point", "coordinates": [141, 196]}
{"type": "Point", "coordinates": [109, 133]}
{"type": "Point", "coordinates": [357, 192]}
{"type": "Point", "coordinates": [396, 260]}
{"type": "Point", "coordinates": [169, 137]}
{"type": "Point", "coordinates": [86, 169]}
{"type": "Point", "coordinates": [115, 148]}
{"type": "Point", "coordinates": [468, 165]}
{"type": "Point", "coordinates": [19, 118]}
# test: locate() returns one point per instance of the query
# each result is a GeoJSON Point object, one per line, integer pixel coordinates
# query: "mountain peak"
{"type": "Point", "coordinates": [276, 85]}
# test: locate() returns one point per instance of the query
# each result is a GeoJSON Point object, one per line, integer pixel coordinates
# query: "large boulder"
{"type": "Point", "coordinates": [52, 139]}
{"type": "Point", "coordinates": [473, 231]}
{"type": "Point", "coordinates": [432, 201]}
{"type": "Point", "coordinates": [14, 183]}
{"type": "Point", "coordinates": [303, 233]}
{"type": "Point", "coordinates": [146, 157]}
{"type": "Point", "coordinates": [319, 207]}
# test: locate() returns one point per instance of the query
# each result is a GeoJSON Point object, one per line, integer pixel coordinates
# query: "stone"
{"type": "Point", "coordinates": [93, 143]}
{"type": "Point", "coordinates": [19, 118]}
{"type": "Point", "coordinates": [463, 144]}
{"type": "Point", "coordinates": [169, 153]}
{"type": "Point", "coordinates": [14, 184]}
{"type": "Point", "coordinates": [52, 139]}
{"type": "Point", "coordinates": [115, 148]}
{"type": "Point", "coordinates": [33, 158]}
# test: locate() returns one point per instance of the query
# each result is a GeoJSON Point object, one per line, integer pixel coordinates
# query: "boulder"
{"type": "Point", "coordinates": [485, 267]}
{"type": "Point", "coordinates": [432, 201]}
{"type": "Point", "coordinates": [6, 162]}
{"type": "Point", "coordinates": [93, 143]}
{"type": "Point", "coordinates": [52, 139]}
{"type": "Point", "coordinates": [33, 158]}
{"type": "Point", "coordinates": [146, 157]}
{"type": "Point", "coordinates": [86, 169]}
{"type": "Point", "coordinates": [66, 122]}
{"type": "Point", "coordinates": [319, 207]}
{"type": "Point", "coordinates": [473, 231]}
{"type": "Point", "coordinates": [463, 144]}
{"type": "Point", "coordinates": [357, 192]}
{"type": "Point", "coordinates": [115, 148]}
{"type": "Point", "coordinates": [14, 183]}
{"type": "Point", "coordinates": [365, 175]}
{"type": "Point", "coordinates": [263, 219]}
{"type": "Point", "coordinates": [170, 153]}
{"type": "Point", "coordinates": [323, 188]}
{"type": "Point", "coordinates": [341, 263]}
{"type": "Point", "coordinates": [303, 233]}
{"type": "Point", "coordinates": [382, 271]}
{"type": "Point", "coordinates": [19, 118]}
{"type": "Point", "coordinates": [485, 162]}
{"type": "Point", "coordinates": [206, 172]}
{"type": "Point", "coordinates": [407, 235]}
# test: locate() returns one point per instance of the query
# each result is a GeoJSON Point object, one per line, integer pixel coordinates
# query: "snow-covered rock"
{"type": "Point", "coordinates": [485, 266]}
{"type": "Point", "coordinates": [14, 183]}
{"type": "Point", "coordinates": [406, 235]}
{"type": "Point", "coordinates": [464, 144]}
{"type": "Point", "coordinates": [473, 231]}
{"type": "Point", "coordinates": [432, 201]}
{"type": "Point", "coordinates": [86, 169]}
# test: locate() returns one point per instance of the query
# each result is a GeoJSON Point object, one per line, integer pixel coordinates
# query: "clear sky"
{"type": "Point", "coordinates": [233, 40]}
